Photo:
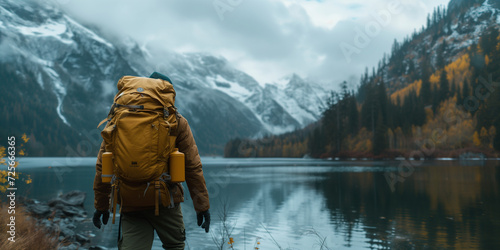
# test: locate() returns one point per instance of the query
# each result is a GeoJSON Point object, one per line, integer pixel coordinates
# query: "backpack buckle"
{"type": "Point", "coordinates": [165, 177]}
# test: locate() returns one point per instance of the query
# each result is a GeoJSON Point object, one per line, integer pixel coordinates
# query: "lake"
{"type": "Point", "coordinates": [318, 204]}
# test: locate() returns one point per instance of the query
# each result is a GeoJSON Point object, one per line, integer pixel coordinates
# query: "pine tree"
{"type": "Point", "coordinates": [441, 60]}
{"type": "Point", "coordinates": [465, 90]}
{"type": "Point", "coordinates": [368, 109]}
{"type": "Point", "coordinates": [444, 89]}
{"type": "Point", "coordinates": [411, 71]}
{"type": "Point", "coordinates": [435, 98]}
{"type": "Point", "coordinates": [382, 99]}
{"type": "Point", "coordinates": [453, 89]}
{"type": "Point", "coordinates": [425, 91]}
{"type": "Point", "coordinates": [353, 115]}
{"type": "Point", "coordinates": [380, 141]}
{"type": "Point", "coordinates": [488, 41]}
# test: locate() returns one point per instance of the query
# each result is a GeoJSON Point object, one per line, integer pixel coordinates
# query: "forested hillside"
{"type": "Point", "coordinates": [436, 92]}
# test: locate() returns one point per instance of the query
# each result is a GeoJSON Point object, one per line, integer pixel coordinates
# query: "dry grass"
{"type": "Point", "coordinates": [28, 235]}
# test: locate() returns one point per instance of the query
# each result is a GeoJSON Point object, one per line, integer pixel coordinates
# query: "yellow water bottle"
{"type": "Point", "coordinates": [107, 167]}
{"type": "Point", "coordinates": [176, 163]}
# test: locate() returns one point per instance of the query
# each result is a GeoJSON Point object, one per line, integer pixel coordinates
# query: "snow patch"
{"type": "Point", "coordinates": [481, 10]}
{"type": "Point", "coordinates": [5, 12]}
{"type": "Point", "coordinates": [47, 29]}
{"type": "Point", "coordinates": [88, 32]}
{"type": "Point", "coordinates": [230, 88]}
{"type": "Point", "coordinates": [292, 106]}
{"type": "Point", "coordinates": [282, 82]}
{"type": "Point", "coordinates": [57, 84]}
{"type": "Point", "coordinates": [39, 80]}
{"type": "Point", "coordinates": [60, 92]}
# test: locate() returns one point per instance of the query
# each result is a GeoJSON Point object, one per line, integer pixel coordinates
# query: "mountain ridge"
{"type": "Point", "coordinates": [78, 69]}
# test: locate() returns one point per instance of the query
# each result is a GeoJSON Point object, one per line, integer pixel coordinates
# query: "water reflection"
{"type": "Point", "coordinates": [441, 205]}
{"type": "Point", "coordinates": [298, 203]}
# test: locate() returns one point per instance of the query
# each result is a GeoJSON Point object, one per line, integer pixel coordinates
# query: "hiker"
{"type": "Point", "coordinates": [146, 206]}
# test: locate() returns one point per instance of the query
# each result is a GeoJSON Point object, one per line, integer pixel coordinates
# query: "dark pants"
{"type": "Point", "coordinates": [138, 229]}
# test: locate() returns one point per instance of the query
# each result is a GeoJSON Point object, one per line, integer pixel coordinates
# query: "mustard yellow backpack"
{"type": "Point", "coordinates": [141, 133]}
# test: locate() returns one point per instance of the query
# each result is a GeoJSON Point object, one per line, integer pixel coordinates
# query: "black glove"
{"type": "Point", "coordinates": [97, 218]}
{"type": "Point", "coordinates": [206, 224]}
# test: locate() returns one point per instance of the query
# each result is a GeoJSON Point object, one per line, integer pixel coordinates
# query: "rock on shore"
{"type": "Point", "coordinates": [61, 215]}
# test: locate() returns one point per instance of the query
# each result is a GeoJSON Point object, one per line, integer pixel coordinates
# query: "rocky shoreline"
{"type": "Point", "coordinates": [61, 216]}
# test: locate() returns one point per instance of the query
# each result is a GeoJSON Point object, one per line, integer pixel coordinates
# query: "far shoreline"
{"type": "Point", "coordinates": [28, 162]}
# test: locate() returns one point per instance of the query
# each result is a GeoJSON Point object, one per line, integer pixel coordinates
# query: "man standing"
{"type": "Point", "coordinates": [138, 223]}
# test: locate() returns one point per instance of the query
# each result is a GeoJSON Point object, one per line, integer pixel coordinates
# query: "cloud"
{"type": "Point", "coordinates": [267, 39]}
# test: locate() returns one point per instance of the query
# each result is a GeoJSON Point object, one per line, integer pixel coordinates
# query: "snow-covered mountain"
{"type": "Point", "coordinates": [58, 79]}
{"type": "Point", "coordinates": [460, 27]}
{"type": "Point", "coordinates": [280, 107]}
{"type": "Point", "coordinates": [469, 26]}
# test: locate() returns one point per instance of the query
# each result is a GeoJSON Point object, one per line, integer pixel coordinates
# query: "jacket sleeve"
{"type": "Point", "coordinates": [194, 172]}
{"type": "Point", "coordinates": [102, 191]}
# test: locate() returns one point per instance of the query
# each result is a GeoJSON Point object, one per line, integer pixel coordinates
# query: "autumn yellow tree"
{"type": "Point", "coordinates": [390, 134]}
{"type": "Point", "coordinates": [483, 136]}
{"type": "Point", "coordinates": [475, 139]}
{"type": "Point", "coordinates": [492, 131]}
{"type": "Point", "coordinates": [4, 173]}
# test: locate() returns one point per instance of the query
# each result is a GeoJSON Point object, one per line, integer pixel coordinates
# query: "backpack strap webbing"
{"type": "Point", "coordinates": [115, 194]}
{"type": "Point", "coordinates": [157, 198]}
{"type": "Point", "coordinates": [103, 121]}
{"type": "Point", "coordinates": [112, 111]}
{"type": "Point", "coordinates": [128, 106]}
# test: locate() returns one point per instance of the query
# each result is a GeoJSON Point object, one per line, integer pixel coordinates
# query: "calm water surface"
{"type": "Point", "coordinates": [300, 203]}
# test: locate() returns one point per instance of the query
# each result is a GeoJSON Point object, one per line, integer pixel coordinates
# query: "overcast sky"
{"type": "Point", "coordinates": [329, 41]}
